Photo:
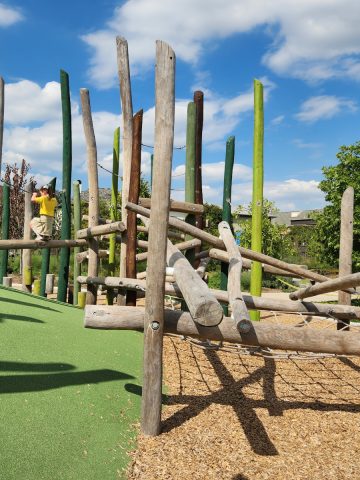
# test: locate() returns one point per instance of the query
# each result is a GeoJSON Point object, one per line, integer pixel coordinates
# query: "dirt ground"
{"type": "Point", "coordinates": [243, 417]}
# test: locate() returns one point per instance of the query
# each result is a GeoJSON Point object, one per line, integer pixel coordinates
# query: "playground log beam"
{"type": "Point", "coordinates": [280, 337]}
{"type": "Point", "coordinates": [342, 312]}
{"type": "Point", "coordinates": [100, 230]}
{"type": "Point", "coordinates": [180, 246]}
{"type": "Point", "coordinates": [245, 252]}
{"type": "Point", "coordinates": [218, 254]}
{"type": "Point", "coordinates": [81, 256]}
{"type": "Point", "coordinates": [34, 244]}
{"type": "Point", "coordinates": [341, 283]}
{"type": "Point", "coordinates": [176, 206]}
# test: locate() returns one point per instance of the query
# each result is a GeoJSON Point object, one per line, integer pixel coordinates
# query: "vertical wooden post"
{"type": "Point", "coordinates": [226, 213]}
{"type": "Point", "coordinates": [2, 104]}
{"type": "Point", "coordinates": [199, 102]}
{"type": "Point", "coordinates": [346, 246]}
{"type": "Point", "coordinates": [93, 192]}
{"type": "Point", "coordinates": [77, 226]}
{"type": "Point", "coordinates": [151, 171]}
{"type": "Point", "coordinates": [134, 198]}
{"type": "Point", "coordinates": [190, 169]}
{"type": "Point", "coordinates": [45, 256]}
{"type": "Point", "coordinates": [113, 211]}
{"type": "Point", "coordinates": [5, 224]}
{"type": "Point", "coordinates": [49, 286]}
{"type": "Point", "coordinates": [257, 199]}
{"type": "Point", "coordinates": [26, 253]}
{"type": "Point", "coordinates": [159, 217]}
{"type": "Point", "coordinates": [127, 115]}
{"type": "Point", "coordinates": [66, 185]}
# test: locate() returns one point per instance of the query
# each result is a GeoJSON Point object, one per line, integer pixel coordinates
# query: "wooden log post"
{"type": "Point", "coordinates": [340, 283]}
{"type": "Point", "coordinates": [2, 107]}
{"type": "Point", "coordinates": [81, 301]}
{"type": "Point", "coordinates": [346, 245]}
{"type": "Point", "coordinates": [26, 254]}
{"type": "Point", "coordinates": [258, 185]}
{"type": "Point", "coordinates": [82, 256]}
{"type": "Point", "coordinates": [265, 335]}
{"type": "Point", "coordinates": [134, 192]}
{"type": "Point", "coordinates": [50, 280]}
{"type": "Point", "coordinates": [97, 230]}
{"type": "Point", "coordinates": [127, 116]}
{"type": "Point", "coordinates": [93, 192]}
{"type": "Point", "coordinates": [245, 252]}
{"type": "Point", "coordinates": [114, 209]}
{"type": "Point", "coordinates": [226, 211]}
{"type": "Point", "coordinates": [190, 172]}
{"type": "Point", "coordinates": [5, 225]}
{"type": "Point", "coordinates": [7, 282]}
{"type": "Point", "coordinates": [45, 255]}
{"type": "Point", "coordinates": [238, 308]}
{"type": "Point", "coordinates": [199, 102]}
{"type": "Point", "coordinates": [154, 304]}
{"type": "Point", "coordinates": [66, 186]}
{"type": "Point", "coordinates": [77, 226]}
{"type": "Point", "coordinates": [175, 206]}
{"type": "Point", "coordinates": [252, 303]}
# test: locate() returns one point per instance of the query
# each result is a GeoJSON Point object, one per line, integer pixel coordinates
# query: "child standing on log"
{"type": "Point", "coordinates": [42, 226]}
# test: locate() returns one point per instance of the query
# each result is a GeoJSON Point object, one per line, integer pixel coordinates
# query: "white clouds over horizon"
{"type": "Point", "coordinates": [9, 15]}
{"type": "Point", "coordinates": [312, 40]}
{"type": "Point", "coordinates": [324, 107]}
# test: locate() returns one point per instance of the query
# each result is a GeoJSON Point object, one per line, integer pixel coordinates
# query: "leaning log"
{"type": "Point", "coordinates": [176, 206]}
{"type": "Point", "coordinates": [341, 283]}
{"type": "Point", "coordinates": [261, 334]}
{"type": "Point", "coordinates": [343, 312]}
{"type": "Point", "coordinates": [98, 230]}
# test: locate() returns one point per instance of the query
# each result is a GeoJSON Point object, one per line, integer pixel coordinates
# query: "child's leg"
{"type": "Point", "coordinates": [37, 226]}
{"type": "Point", "coordinates": [47, 226]}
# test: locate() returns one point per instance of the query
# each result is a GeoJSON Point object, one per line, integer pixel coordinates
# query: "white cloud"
{"type": "Point", "coordinates": [312, 39]}
{"type": "Point", "coordinates": [277, 120]}
{"type": "Point", "coordinates": [324, 107]}
{"type": "Point", "coordinates": [301, 144]}
{"type": "Point", "coordinates": [9, 15]}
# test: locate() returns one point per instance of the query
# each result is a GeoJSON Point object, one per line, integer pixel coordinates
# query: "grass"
{"type": "Point", "coordinates": [67, 411]}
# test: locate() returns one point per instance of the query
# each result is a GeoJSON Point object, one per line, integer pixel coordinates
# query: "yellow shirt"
{"type": "Point", "coordinates": [47, 205]}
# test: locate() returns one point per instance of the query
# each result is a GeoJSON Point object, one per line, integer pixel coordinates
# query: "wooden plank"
{"type": "Point", "coordinates": [266, 335]}
{"type": "Point", "coordinates": [236, 301]}
{"type": "Point", "coordinates": [154, 304]}
{"type": "Point", "coordinates": [97, 230]}
{"type": "Point", "coordinates": [91, 293]}
{"type": "Point", "coordinates": [245, 252]}
{"type": "Point", "coordinates": [252, 303]}
{"type": "Point", "coordinates": [346, 244]}
{"type": "Point", "coordinates": [134, 192]}
{"type": "Point", "coordinates": [333, 285]}
{"type": "Point", "coordinates": [175, 206]}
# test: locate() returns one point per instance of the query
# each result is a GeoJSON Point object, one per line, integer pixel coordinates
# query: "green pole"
{"type": "Point", "coordinates": [77, 226]}
{"type": "Point", "coordinates": [45, 255]}
{"type": "Point", "coordinates": [66, 185]}
{"type": "Point", "coordinates": [113, 210]}
{"type": "Point", "coordinates": [226, 207]}
{"type": "Point", "coordinates": [257, 199]}
{"type": "Point", "coordinates": [5, 229]}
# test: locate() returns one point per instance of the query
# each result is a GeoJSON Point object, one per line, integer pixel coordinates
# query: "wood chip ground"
{"type": "Point", "coordinates": [240, 417]}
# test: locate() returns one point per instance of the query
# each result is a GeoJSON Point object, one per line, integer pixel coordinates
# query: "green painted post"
{"type": "Point", "coordinates": [5, 229]}
{"type": "Point", "coordinates": [36, 287]}
{"type": "Point", "coordinates": [113, 211]}
{"type": "Point", "coordinates": [77, 226]}
{"type": "Point", "coordinates": [66, 185]}
{"type": "Point", "coordinates": [45, 255]}
{"type": "Point", "coordinates": [226, 212]}
{"type": "Point", "coordinates": [257, 199]}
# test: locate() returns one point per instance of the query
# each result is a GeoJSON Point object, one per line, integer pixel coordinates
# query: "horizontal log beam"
{"type": "Point", "coordinates": [35, 244]}
{"type": "Point", "coordinates": [171, 234]}
{"type": "Point", "coordinates": [80, 257]}
{"type": "Point", "coordinates": [100, 230]}
{"type": "Point", "coordinates": [341, 283]}
{"type": "Point", "coordinates": [266, 335]}
{"type": "Point", "coordinates": [101, 221]}
{"type": "Point", "coordinates": [343, 312]}
{"type": "Point", "coordinates": [176, 206]}
{"type": "Point", "coordinates": [180, 246]}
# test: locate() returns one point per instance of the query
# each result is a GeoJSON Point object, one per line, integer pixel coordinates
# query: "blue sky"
{"type": "Point", "coordinates": [306, 53]}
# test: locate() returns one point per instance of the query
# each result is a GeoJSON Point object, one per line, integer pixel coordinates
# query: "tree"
{"type": "Point", "coordinates": [212, 218]}
{"type": "Point", "coordinates": [337, 178]}
{"type": "Point", "coordinates": [275, 239]}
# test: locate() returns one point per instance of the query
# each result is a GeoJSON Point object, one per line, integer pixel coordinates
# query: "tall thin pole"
{"type": "Point", "coordinates": [77, 226]}
{"type": "Point", "coordinates": [159, 218]}
{"type": "Point", "coordinates": [199, 102]}
{"type": "Point", "coordinates": [113, 210]}
{"type": "Point", "coordinates": [190, 169]}
{"type": "Point", "coordinates": [27, 253]}
{"type": "Point", "coordinates": [257, 199]}
{"type": "Point", "coordinates": [93, 261]}
{"type": "Point", "coordinates": [346, 245]}
{"type": "Point", "coordinates": [226, 212]}
{"type": "Point", "coordinates": [2, 104]}
{"type": "Point", "coordinates": [151, 170]}
{"type": "Point", "coordinates": [45, 255]}
{"type": "Point", "coordinates": [5, 225]}
{"type": "Point", "coordinates": [66, 186]}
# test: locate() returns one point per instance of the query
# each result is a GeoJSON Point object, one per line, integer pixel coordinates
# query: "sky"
{"type": "Point", "coordinates": [307, 55]}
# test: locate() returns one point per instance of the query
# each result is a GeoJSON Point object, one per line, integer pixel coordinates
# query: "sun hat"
{"type": "Point", "coordinates": [45, 187]}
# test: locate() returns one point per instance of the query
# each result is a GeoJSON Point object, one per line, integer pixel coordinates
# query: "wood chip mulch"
{"type": "Point", "coordinates": [238, 417]}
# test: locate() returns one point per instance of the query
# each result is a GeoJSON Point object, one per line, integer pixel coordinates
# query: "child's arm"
{"type": "Point", "coordinates": [35, 198]}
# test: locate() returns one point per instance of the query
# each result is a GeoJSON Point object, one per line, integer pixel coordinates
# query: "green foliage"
{"type": "Point", "coordinates": [212, 218]}
{"type": "Point", "coordinates": [337, 178]}
{"type": "Point", "coordinates": [275, 239]}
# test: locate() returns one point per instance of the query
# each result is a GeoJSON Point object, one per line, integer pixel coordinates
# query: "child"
{"type": "Point", "coordinates": [42, 226]}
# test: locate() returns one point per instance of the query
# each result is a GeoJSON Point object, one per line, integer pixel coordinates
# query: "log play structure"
{"type": "Point", "coordinates": [177, 251]}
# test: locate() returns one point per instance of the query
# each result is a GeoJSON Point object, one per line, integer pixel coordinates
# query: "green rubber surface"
{"type": "Point", "coordinates": [67, 407]}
